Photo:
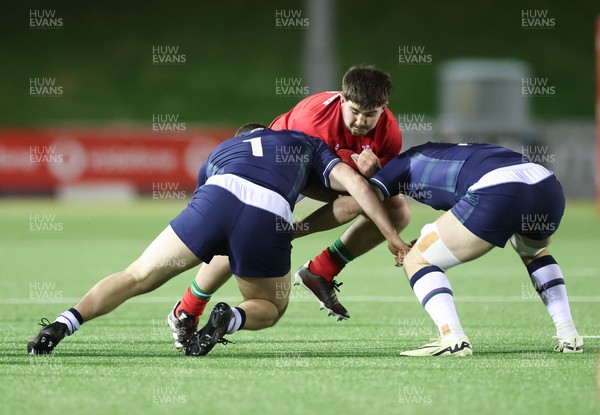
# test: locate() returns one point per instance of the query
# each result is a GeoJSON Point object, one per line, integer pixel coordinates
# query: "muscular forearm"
{"type": "Point", "coordinates": [373, 208]}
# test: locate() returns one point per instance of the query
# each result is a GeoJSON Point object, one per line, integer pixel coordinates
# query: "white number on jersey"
{"type": "Point", "coordinates": [256, 143]}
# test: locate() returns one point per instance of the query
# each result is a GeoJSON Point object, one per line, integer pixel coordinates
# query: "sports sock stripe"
{"type": "Point", "coordinates": [339, 249]}
{"type": "Point", "coordinates": [442, 290]}
{"type": "Point", "coordinates": [198, 292]}
{"type": "Point", "coordinates": [553, 283]}
{"type": "Point", "coordinates": [540, 263]}
{"type": "Point", "coordinates": [422, 272]}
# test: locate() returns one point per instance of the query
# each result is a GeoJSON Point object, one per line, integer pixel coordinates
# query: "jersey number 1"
{"type": "Point", "coordinates": [257, 150]}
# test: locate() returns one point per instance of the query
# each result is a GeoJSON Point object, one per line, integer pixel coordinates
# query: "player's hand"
{"type": "Point", "coordinates": [403, 251]}
{"type": "Point", "coordinates": [367, 162]}
{"type": "Point", "coordinates": [399, 249]}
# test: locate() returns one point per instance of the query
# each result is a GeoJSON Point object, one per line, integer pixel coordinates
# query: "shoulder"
{"type": "Point", "coordinates": [389, 123]}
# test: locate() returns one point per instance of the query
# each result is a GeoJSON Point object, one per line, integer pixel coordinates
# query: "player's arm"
{"type": "Point", "coordinates": [391, 179]}
{"type": "Point", "coordinates": [343, 178]}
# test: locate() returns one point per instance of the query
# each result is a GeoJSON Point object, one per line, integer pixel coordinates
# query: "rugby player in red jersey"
{"type": "Point", "coordinates": [358, 126]}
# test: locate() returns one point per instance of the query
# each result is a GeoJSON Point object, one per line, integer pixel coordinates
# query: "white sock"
{"type": "Point", "coordinates": [71, 318]}
{"type": "Point", "coordinates": [433, 290]}
{"type": "Point", "coordinates": [548, 281]}
{"type": "Point", "coordinates": [236, 322]}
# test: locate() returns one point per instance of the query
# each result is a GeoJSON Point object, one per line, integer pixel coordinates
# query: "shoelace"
{"type": "Point", "coordinates": [336, 285]}
{"type": "Point", "coordinates": [44, 322]}
{"type": "Point", "coordinates": [225, 341]}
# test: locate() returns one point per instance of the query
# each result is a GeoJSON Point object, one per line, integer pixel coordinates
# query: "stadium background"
{"type": "Point", "coordinates": [235, 55]}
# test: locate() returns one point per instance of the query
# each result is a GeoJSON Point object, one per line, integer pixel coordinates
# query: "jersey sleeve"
{"type": "Point", "coordinates": [324, 160]}
{"type": "Point", "coordinates": [203, 175]}
{"type": "Point", "coordinates": [392, 141]}
{"type": "Point", "coordinates": [390, 178]}
{"type": "Point", "coordinates": [346, 156]}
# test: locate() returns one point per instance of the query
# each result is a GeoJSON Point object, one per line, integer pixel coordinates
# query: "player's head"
{"type": "Point", "coordinates": [365, 93]}
{"type": "Point", "coordinates": [249, 127]}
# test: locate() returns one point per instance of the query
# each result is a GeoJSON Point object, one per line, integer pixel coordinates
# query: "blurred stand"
{"type": "Point", "coordinates": [482, 100]}
{"type": "Point", "coordinates": [320, 52]}
{"type": "Point", "coordinates": [487, 101]}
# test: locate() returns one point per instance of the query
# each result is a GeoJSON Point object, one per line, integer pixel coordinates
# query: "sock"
{"type": "Point", "coordinates": [548, 281]}
{"type": "Point", "coordinates": [331, 261]}
{"type": "Point", "coordinates": [238, 320]}
{"type": "Point", "coordinates": [72, 319]}
{"type": "Point", "coordinates": [194, 301]}
{"type": "Point", "coordinates": [432, 288]}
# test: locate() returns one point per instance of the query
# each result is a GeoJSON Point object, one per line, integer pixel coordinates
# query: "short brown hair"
{"type": "Point", "coordinates": [249, 127]}
{"type": "Point", "coordinates": [367, 86]}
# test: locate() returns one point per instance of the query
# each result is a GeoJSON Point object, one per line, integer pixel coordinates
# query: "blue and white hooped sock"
{"type": "Point", "coordinates": [433, 290]}
{"type": "Point", "coordinates": [238, 320]}
{"type": "Point", "coordinates": [548, 280]}
{"type": "Point", "coordinates": [72, 319]}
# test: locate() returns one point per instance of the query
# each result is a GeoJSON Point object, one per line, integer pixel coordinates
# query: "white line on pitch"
{"type": "Point", "coordinates": [295, 297]}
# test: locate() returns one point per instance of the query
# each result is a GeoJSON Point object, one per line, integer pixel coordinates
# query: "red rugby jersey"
{"type": "Point", "coordinates": [320, 115]}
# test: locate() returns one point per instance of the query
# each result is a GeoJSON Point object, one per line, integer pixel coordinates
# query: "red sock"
{"type": "Point", "coordinates": [325, 265]}
{"type": "Point", "coordinates": [191, 304]}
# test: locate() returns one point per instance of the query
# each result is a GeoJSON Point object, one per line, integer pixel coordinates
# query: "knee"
{"type": "Point", "coordinates": [280, 312]}
{"type": "Point", "coordinates": [349, 208]}
{"type": "Point", "coordinates": [413, 262]}
{"type": "Point", "coordinates": [140, 276]}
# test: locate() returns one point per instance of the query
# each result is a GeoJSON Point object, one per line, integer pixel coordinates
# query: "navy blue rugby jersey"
{"type": "Point", "coordinates": [277, 160]}
{"type": "Point", "coordinates": [439, 174]}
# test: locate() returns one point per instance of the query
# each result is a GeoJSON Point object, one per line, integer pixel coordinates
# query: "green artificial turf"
{"type": "Point", "coordinates": [125, 362]}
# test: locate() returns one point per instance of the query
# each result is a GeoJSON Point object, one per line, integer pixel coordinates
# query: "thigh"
{"type": "Point", "coordinates": [275, 290]}
{"type": "Point", "coordinates": [463, 243]}
{"type": "Point", "coordinates": [164, 258]}
{"type": "Point", "coordinates": [445, 244]}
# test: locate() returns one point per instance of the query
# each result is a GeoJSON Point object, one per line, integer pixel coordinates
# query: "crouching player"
{"type": "Point", "coordinates": [243, 197]}
{"type": "Point", "coordinates": [491, 195]}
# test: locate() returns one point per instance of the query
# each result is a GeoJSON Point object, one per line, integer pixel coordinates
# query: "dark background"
{"type": "Point", "coordinates": [102, 56]}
